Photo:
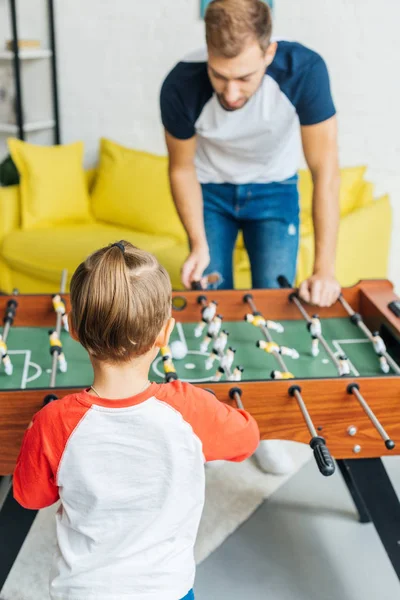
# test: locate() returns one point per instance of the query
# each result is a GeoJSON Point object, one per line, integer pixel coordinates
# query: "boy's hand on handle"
{"type": "Point", "coordinates": [195, 265]}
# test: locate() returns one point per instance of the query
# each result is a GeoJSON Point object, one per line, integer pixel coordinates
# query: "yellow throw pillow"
{"type": "Point", "coordinates": [132, 189]}
{"type": "Point", "coordinates": [52, 184]}
{"type": "Point", "coordinates": [351, 181]}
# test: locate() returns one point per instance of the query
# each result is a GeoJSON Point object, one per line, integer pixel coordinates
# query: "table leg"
{"type": "Point", "coordinates": [15, 523]}
{"type": "Point", "coordinates": [375, 497]}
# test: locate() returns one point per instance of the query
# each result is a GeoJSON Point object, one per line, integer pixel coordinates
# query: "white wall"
{"type": "Point", "coordinates": [114, 55]}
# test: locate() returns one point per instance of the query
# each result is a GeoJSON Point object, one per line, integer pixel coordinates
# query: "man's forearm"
{"type": "Point", "coordinates": [326, 223]}
{"type": "Point", "coordinates": [188, 198]}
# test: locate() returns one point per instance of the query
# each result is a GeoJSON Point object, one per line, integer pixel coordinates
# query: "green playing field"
{"type": "Point", "coordinates": [29, 352]}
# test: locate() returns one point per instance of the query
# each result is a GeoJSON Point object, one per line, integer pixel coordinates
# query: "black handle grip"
{"type": "Point", "coordinates": [49, 398]}
{"type": "Point", "coordinates": [196, 285]}
{"type": "Point", "coordinates": [322, 456]}
{"type": "Point", "coordinates": [284, 282]}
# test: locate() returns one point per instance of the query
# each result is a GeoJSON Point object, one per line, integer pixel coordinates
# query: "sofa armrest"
{"type": "Point", "coordinates": [10, 212]}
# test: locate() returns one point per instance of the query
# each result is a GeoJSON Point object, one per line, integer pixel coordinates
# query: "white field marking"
{"type": "Point", "coordinates": [26, 367]}
{"type": "Point", "coordinates": [190, 366]}
{"type": "Point", "coordinates": [162, 374]}
{"type": "Point", "coordinates": [25, 379]}
{"type": "Point", "coordinates": [340, 351]}
{"type": "Point", "coordinates": [181, 333]}
{"type": "Point", "coordinates": [35, 375]}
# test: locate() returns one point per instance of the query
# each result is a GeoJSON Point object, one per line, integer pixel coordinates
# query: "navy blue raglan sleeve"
{"type": "Point", "coordinates": [315, 103]}
{"type": "Point", "coordinates": [175, 115]}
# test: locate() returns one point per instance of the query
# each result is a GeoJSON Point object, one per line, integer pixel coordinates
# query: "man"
{"type": "Point", "coordinates": [235, 118]}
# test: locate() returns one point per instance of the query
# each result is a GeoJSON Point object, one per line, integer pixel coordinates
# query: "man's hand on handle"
{"type": "Point", "coordinates": [320, 289]}
{"type": "Point", "coordinates": [195, 265]}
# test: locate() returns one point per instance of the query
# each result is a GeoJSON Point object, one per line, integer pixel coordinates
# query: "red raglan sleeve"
{"type": "Point", "coordinates": [226, 433]}
{"type": "Point", "coordinates": [35, 474]}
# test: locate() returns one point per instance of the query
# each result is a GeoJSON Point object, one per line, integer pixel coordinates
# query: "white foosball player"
{"type": "Point", "coordinates": [207, 315]}
{"type": "Point", "coordinates": [212, 332]}
{"type": "Point", "coordinates": [217, 349]}
{"type": "Point", "coordinates": [315, 329]}
{"type": "Point", "coordinates": [380, 348]}
{"type": "Point", "coordinates": [236, 374]}
{"type": "Point", "coordinates": [344, 365]}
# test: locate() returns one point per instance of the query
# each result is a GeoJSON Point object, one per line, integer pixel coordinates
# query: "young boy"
{"type": "Point", "coordinates": [126, 456]}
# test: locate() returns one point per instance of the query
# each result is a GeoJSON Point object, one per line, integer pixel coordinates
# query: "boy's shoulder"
{"type": "Point", "coordinates": [182, 389]}
{"type": "Point", "coordinates": [67, 409]}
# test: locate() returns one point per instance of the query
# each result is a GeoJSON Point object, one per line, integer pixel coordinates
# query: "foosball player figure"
{"type": "Point", "coordinates": [7, 364]}
{"type": "Point", "coordinates": [315, 329]}
{"type": "Point", "coordinates": [207, 315]}
{"type": "Point", "coordinates": [56, 347]}
{"type": "Point", "coordinates": [344, 365]}
{"type": "Point", "coordinates": [169, 369]}
{"type": "Point", "coordinates": [59, 307]}
{"type": "Point", "coordinates": [217, 349]}
{"type": "Point", "coordinates": [165, 352]}
{"type": "Point", "coordinates": [212, 332]}
{"type": "Point", "coordinates": [236, 374]}
{"type": "Point", "coordinates": [258, 320]}
{"type": "Point", "coordinates": [5, 359]}
{"type": "Point", "coordinates": [225, 364]}
{"type": "Point", "coordinates": [380, 349]}
{"type": "Point", "coordinates": [270, 347]}
{"type": "Point", "coordinates": [282, 375]}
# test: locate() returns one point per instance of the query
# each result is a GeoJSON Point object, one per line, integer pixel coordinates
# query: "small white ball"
{"type": "Point", "coordinates": [178, 350]}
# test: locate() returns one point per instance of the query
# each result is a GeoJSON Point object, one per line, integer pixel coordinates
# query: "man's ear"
{"type": "Point", "coordinates": [72, 331]}
{"type": "Point", "coordinates": [270, 53]}
{"type": "Point", "coordinates": [165, 333]}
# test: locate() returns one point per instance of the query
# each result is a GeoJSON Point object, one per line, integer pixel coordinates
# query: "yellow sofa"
{"type": "Point", "coordinates": [31, 260]}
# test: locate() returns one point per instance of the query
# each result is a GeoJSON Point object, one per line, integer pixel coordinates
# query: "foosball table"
{"type": "Point", "coordinates": [330, 380]}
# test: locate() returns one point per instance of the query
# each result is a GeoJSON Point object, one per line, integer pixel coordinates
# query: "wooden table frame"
{"type": "Point", "coordinates": [331, 408]}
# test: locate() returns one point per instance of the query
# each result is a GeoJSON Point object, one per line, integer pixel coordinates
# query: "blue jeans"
{"type": "Point", "coordinates": [267, 214]}
{"type": "Point", "coordinates": [189, 596]}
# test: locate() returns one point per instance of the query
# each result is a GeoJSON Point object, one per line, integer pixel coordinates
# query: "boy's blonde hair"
{"type": "Point", "coordinates": [231, 24]}
{"type": "Point", "coordinates": [120, 300]}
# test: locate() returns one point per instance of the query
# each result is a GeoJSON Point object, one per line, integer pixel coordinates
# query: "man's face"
{"type": "Point", "coordinates": [235, 80]}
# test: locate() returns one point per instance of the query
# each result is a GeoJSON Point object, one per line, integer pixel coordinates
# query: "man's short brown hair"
{"type": "Point", "coordinates": [231, 24]}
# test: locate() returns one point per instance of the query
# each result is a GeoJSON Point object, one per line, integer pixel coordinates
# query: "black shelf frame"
{"type": "Point", "coordinates": [17, 71]}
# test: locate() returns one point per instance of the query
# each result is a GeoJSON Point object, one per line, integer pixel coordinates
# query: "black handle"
{"type": "Point", "coordinates": [196, 285]}
{"type": "Point", "coordinates": [322, 456]}
{"type": "Point", "coordinates": [49, 398]}
{"type": "Point", "coordinates": [284, 282]}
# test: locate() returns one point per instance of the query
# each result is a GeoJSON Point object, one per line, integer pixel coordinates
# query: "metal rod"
{"type": "Point", "coordinates": [305, 413]}
{"type": "Point", "coordinates": [54, 72]}
{"type": "Point", "coordinates": [6, 330]}
{"type": "Point", "coordinates": [368, 333]}
{"type": "Point", "coordinates": [17, 71]}
{"type": "Point", "coordinates": [267, 335]}
{"type": "Point", "coordinates": [238, 400]}
{"type": "Point", "coordinates": [354, 389]}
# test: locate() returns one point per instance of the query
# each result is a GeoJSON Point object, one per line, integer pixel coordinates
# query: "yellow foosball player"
{"type": "Point", "coordinates": [282, 375]}
{"type": "Point", "coordinates": [270, 347]}
{"type": "Point", "coordinates": [169, 369]}
{"type": "Point", "coordinates": [258, 320]}
{"type": "Point", "coordinates": [56, 347]}
{"type": "Point", "coordinates": [59, 307]}
{"type": "Point", "coordinates": [165, 352]}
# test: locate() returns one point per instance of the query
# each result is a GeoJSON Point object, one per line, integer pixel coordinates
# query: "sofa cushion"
{"type": "Point", "coordinates": [132, 190]}
{"type": "Point", "coordinates": [351, 183]}
{"type": "Point", "coordinates": [44, 253]}
{"type": "Point", "coordinates": [53, 188]}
